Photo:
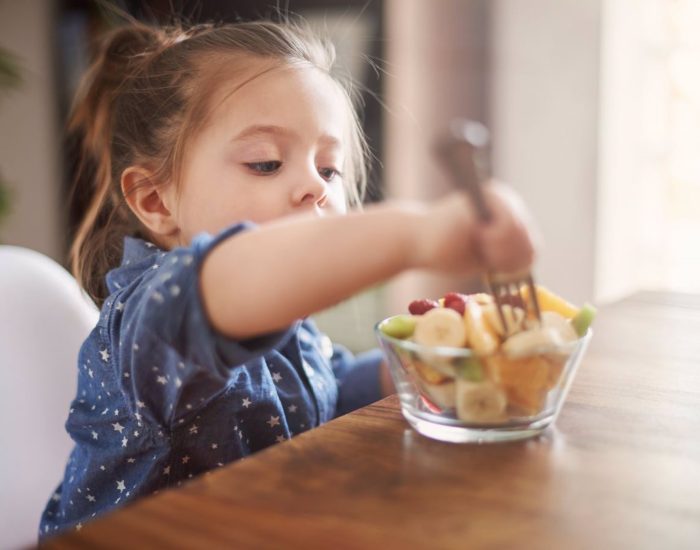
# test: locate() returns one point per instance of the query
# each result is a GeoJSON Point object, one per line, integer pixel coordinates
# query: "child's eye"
{"type": "Point", "coordinates": [265, 167]}
{"type": "Point", "coordinates": [328, 173]}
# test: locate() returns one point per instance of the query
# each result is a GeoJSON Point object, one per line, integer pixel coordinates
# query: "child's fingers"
{"type": "Point", "coordinates": [507, 243]}
{"type": "Point", "coordinates": [506, 250]}
{"type": "Point", "coordinates": [505, 203]}
{"type": "Point", "coordinates": [513, 203]}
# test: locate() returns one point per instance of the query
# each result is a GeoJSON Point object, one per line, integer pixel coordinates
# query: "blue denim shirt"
{"type": "Point", "coordinates": [163, 397]}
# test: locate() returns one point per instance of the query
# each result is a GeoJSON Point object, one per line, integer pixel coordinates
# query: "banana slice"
{"type": "Point", "coordinates": [552, 319]}
{"type": "Point", "coordinates": [440, 327]}
{"type": "Point", "coordinates": [514, 316]}
{"type": "Point", "coordinates": [533, 341]}
{"type": "Point", "coordinates": [481, 337]}
{"type": "Point", "coordinates": [480, 401]}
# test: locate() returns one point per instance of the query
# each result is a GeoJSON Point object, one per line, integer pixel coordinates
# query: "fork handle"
{"type": "Point", "coordinates": [458, 152]}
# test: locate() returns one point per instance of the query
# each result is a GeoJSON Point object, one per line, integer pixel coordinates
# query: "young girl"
{"type": "Point", "coordinates": [219, 158]}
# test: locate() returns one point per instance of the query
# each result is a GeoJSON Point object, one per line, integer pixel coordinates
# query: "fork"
{"type": "Point", "coordinates": [460, 151]}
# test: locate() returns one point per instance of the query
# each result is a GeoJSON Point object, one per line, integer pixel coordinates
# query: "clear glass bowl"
{"type": "Point", "coordinates": [450, 394]}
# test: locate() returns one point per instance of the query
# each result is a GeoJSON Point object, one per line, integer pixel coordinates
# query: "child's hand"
{"type": "Point", "coordinates": [507, 243]}
{"type": "Point", "coordinates": [453, 239]}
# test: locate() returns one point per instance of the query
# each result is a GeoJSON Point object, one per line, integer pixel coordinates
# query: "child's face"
{"type": "Point", "coordinates": [274, 147]}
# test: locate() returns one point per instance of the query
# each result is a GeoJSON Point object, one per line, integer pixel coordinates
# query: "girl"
{"type": "Point", "coordinates": [217, 159]}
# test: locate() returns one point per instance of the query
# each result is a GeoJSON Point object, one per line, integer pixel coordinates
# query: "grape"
{"type": "Point", "coordinates": [399, 326]}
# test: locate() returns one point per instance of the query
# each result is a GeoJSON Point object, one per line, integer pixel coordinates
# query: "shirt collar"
{"type": "Point", "coordinates": [138, 256]}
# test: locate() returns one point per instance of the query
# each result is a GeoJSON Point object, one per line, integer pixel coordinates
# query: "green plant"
{"type": "Point", "coordinates": [9, 78]}
{"type": "Point", "coordinates": [4, 200]}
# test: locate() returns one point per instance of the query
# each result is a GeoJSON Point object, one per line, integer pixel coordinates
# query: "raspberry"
{"type": "Point", "coordinates": [456, 301]}
{"type": "Point", "coordinates": [419, 307]}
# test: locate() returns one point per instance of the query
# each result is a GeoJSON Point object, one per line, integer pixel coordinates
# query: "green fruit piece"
{"type": "Point", "coordinates": [399, 326]}
{"type": "Point", "coordinates": [583, 319]}
{"type": "Point", "coordinates": [469, 369]}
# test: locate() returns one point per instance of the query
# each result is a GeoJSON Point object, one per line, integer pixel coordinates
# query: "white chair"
{"type": "Point", "coordinates": [44, 318]}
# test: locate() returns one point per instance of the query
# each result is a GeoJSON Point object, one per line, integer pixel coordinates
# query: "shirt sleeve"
{"type": "Point", "coordinates": [170, 353]}
{"type": "Point", "coordinates": [357, 377]}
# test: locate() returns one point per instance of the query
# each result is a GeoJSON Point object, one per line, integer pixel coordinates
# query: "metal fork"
{"type": "Point", "coordinates": [461, 151]}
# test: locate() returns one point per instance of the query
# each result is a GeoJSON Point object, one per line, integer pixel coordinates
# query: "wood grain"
{"type": "Point", "coordinates": [621, 469]}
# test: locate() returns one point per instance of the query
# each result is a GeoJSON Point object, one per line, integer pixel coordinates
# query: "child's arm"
{"type": "Point", "coordinates": [263, 280]}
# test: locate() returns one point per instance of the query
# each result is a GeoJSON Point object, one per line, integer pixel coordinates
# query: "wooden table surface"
{"type": "Point", "coordinates": [621, 469]}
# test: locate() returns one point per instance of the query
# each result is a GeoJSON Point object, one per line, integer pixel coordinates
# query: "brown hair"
{"type": "Point", "coordinates": [145, 95]}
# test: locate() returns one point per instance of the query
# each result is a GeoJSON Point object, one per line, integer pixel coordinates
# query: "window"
{"type": "Point", "coordinates": [649, 193]}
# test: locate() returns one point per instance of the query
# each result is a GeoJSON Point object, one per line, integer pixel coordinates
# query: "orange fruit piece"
{"type": "Point", "coordinates": [549, 301]}
{"type": "Point", "coordinates": [530, 401]}
{"type": "Point", "coordinates": [527, 372]}
{"type": "Point", "coordinates": [525, 380]}
{"type": "Point", "coordinates": [556, 366]}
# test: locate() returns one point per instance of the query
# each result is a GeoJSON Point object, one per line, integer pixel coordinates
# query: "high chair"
{"type": "Point", "coordinates": [44, 318]}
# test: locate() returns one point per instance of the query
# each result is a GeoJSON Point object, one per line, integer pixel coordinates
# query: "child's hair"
{"type": "Point", "coordinates": [146, 94]}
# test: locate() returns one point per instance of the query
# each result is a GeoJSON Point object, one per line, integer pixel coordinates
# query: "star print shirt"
{"type": "Point", "coordinates": [163, 397]}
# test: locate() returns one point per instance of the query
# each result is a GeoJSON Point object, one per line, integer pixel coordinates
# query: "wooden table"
{"type": "Point", "coordinates": [620, 470]}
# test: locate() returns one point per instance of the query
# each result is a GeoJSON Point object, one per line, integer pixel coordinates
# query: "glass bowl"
{"type": "Point", "coordinates": [451, 394]}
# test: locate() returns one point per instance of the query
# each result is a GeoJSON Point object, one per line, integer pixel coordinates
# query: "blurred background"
{"type": "Point", "coordinates": [593, 105]}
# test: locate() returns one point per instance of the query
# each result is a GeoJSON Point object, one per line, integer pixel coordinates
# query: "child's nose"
{"type": "Point", "coordinates": [311, 192]}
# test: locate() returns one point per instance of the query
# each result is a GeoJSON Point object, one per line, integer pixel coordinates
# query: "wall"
{"type": "Point", "coordinates": [544, 110]}
{"type": "Point", "coordinates": [29, 158]}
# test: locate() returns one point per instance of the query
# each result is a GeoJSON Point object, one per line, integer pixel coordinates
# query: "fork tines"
{"type": "Point", "coordinates": [506, 289]}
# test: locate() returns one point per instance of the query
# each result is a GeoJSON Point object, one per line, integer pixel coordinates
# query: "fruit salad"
{"type": "Point", "coordinates": [473, 364]}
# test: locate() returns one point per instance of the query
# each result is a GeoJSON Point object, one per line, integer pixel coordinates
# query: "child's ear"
{"type": "Point", "coordinates": [150, 201]}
